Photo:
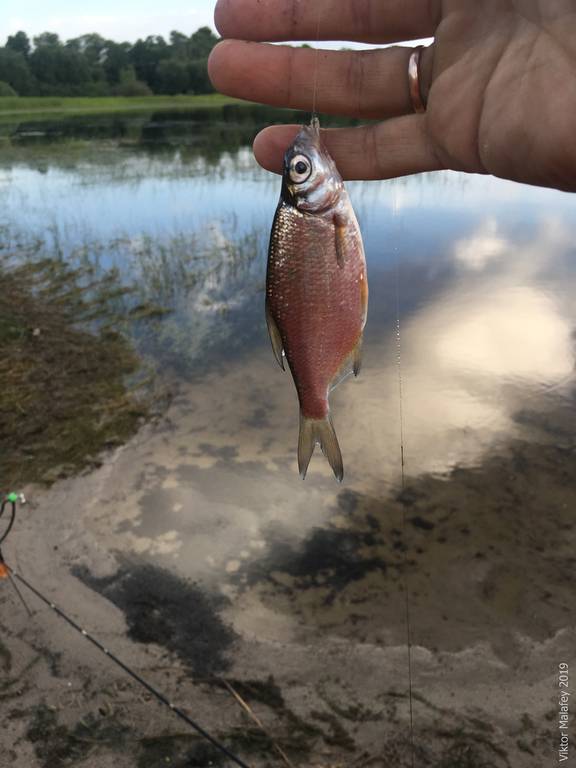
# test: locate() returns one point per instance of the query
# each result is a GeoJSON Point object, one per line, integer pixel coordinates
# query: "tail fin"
{"type": "Point", "coordinates": [320, 431]}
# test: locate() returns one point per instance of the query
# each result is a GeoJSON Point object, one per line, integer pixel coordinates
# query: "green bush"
{"type": "Point", "coordinates": [6, 90]}
{"type": "Point", "coordinates": [132, 88]}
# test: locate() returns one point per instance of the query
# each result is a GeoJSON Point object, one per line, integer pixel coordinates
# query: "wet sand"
{"type": "Point", "coordinates": [179, 557]}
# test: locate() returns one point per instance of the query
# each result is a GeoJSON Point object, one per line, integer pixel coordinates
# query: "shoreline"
{"type": "Point", "coordinates": [37, 106]}
{"type": "Point", "coordinates": [120, 549]}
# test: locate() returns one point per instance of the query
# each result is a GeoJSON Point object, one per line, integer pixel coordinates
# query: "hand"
{"type": "Point", "coordinates": [499, 80]}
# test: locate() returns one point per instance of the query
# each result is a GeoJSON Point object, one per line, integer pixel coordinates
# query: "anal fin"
{"type": "Point", "coordinates": [275, 338]}
{"type": "Point", "coordinates": [351, 365]}
{"type": "Point", "coordinates": [357, 356]}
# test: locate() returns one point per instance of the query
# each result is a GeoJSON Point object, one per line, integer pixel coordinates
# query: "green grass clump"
{"type": "Point", "coordinates": [63, 371]}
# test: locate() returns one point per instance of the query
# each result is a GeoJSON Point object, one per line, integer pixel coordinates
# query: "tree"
{"type": "Point", "coordinates": [90, 65]}
{"type": "Point", "coordinates": [19, 43]}
{"type": "Point", "coordinates": [179, 44]}
{"type": "Point", "coordinates": [47, 40]}
{"type": "Point", "coordinates": [199, 80]}
{"type": "Point", "coordinates": [116, 59]}
{"type": "Point", "coordinates": [15, 71]}
{"type": "Point", "coordinates": [201, 43]}
{"type": "Point", "coordinates": [92, 48]}
{"type": "Point", "coordinates": [172, 76]}
{"type": "Point", "coordinates": [146, 55]}
{"type": "Point", "coordinates": [59, 71]}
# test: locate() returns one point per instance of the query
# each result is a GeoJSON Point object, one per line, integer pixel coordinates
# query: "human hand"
{"type": "Point", "coordinates": [499, 81]}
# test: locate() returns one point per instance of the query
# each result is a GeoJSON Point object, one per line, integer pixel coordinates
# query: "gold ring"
{"type": "Point", "coordinates": [414, 79]}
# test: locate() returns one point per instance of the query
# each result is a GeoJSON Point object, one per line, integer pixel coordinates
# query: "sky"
{"type": "Point", "coordinates": [114, 19]}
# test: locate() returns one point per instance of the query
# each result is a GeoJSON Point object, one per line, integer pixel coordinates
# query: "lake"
{"type": "Point", "coordinates": [468, 367]}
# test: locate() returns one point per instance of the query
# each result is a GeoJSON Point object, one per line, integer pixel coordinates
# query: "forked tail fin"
{"type": "Point", "coordinates": [320, 431]}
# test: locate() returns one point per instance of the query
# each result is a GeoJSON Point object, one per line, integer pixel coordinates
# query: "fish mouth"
{"type": "Point", "coordinates": [308, 137]}
{"type": "Point", "coordinates": [312, 132]}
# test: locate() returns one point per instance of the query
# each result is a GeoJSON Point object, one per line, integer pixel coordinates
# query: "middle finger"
{"type": "Point", "coordinates": [367, 84]}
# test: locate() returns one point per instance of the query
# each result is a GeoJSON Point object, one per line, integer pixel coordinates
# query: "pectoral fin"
{"type": "Point", "coordinates": [340, 238]}
{"type": "Point", "coordinates": [275, 338]}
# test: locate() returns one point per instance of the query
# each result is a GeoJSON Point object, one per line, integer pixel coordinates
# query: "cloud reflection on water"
{"type": "Point", "coordinates": [496, 337]}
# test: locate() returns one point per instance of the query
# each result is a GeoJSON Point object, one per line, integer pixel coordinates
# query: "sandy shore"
{"type": "Point", "coordinates": [181, 559]}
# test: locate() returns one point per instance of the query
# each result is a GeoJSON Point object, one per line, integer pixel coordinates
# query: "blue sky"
{"type": "Point", "coordinates": [116, 19]}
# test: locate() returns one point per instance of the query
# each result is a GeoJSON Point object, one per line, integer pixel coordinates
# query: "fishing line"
{"type": "Point", "coordinates": [9, 502]}
{"type": "Point", "coordinates": [402, 482]}
{"type": "Point", "coordinates": [15, 576]}
{"type": "Point", "coordinates": [316, 61]}
{"type": "Point", "coordinates": [17, 590]}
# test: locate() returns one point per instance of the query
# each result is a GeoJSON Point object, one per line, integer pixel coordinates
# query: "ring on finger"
{"type": "Point", "coordinates": [418, 104]}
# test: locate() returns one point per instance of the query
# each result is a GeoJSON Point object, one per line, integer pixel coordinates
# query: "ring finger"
{"type": "Point", "coordinates": [367, 84]}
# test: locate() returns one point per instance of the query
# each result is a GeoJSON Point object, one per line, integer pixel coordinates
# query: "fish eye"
{"type": "Point", "coordinates": [300, 169]}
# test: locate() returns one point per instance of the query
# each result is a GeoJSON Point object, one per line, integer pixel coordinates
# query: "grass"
{"type": "Point", "coordinates": [28, 107]}
{"type": "Point", "coordinates": [81, 350]}
{"type": "Point", "coordinates": [63, 397]}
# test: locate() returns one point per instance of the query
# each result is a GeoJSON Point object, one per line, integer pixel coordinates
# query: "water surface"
{"type": "Point", "coordinates": [478, 275]}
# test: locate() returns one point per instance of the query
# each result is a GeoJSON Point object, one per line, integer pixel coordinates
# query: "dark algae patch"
{"type": "Point", "coordinates": [185, 751]}
{"type": "Point", "coordinates": [164, 609]}
{"type": "Point", "coordinates": [330, 558]}
{"type": "Point", "coordinates": [63, 367]}
{"type": "Point", "coordinates": [58, 746]}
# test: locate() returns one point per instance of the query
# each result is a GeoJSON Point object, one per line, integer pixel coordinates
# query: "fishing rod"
{"type": "Point", "coordinates": [6, 571]}
{"type": "Point", "coordinates": [9, 502]}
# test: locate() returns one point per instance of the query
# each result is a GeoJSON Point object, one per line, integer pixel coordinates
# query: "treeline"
{"type": "Point", "coordinates": [90, 65]}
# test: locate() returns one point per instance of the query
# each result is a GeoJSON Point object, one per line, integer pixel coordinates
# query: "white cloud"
{"type": "Point", "coordinates": [485, 246]}
{"type": "Point", "coordinates": [510, 332]}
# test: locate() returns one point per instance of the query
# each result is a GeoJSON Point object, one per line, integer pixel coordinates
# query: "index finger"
{"type": "Point", "coordinates": [395, 147]}
{"type": "Point", "coordinates": [368, 21]}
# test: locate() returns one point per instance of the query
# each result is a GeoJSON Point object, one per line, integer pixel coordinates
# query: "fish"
{"type": "Point", "coordinates": [316, 289]}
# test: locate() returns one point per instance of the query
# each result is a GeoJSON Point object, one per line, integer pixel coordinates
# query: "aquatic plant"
{"type": "Point", "coordinates": [64, 396]}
